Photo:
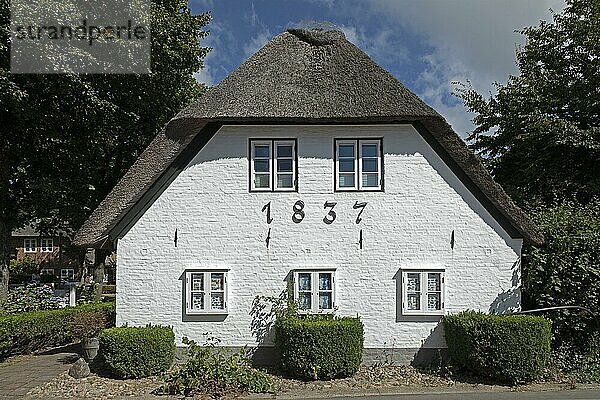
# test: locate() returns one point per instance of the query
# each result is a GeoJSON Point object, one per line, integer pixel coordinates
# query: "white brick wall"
{"type": "Point", "coordinates": [220, 224]}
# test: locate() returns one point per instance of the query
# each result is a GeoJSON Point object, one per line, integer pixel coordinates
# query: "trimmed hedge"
{"type": "Point", "coordinates": [31, 331]}
{"type": "Point", "coordinates": [137, 352]}
{"type": "Point", "coordinates": [319, 347]}
{"type": "Point", "coordinates": [506, 348]}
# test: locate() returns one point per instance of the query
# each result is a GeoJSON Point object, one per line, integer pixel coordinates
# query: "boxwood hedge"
{"type": "Point", "coordinates": [136, 352]}
{"type": "Point", "coordinates": [319, 347]}
{"type": "Point", "coordinates": [31, 331]}
{"type": "Point", "coordinates": [510, 349]}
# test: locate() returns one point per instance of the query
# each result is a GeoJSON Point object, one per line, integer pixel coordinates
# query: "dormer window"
{"type": "Point", "coordinates": [273, 165]}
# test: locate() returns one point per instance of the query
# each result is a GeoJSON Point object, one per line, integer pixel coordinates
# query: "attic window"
{"type": "Point", "coordinates": [273, 165]}
{"type": "Point", "coordinates": [358, 165]}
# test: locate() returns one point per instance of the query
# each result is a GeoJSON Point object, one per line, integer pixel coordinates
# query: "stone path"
{"type": "Point", "coordinates": [19, 377]}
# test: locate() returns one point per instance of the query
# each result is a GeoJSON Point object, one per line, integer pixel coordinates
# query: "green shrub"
{"type": "Point", "coordinates": [32, 331]}
{"type": "Point", "coordinates": [319, 347]}
{"type": "Point", "coordinates": [511, 349]}
{"type": "Point", "coordinates": [209, 370]}
{"type": "Point", "coordinates": [20, 271]}
{"type": "Point", "coordinates": [136, 352]}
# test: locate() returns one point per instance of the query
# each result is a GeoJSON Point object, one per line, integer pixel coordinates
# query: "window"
{"type": "Point", "coordinates": [30, 245]}
{"type": "Point", "coordinates": [358, 164]}
{"type": "Point", "coordinates": [47, 245]}
{"type": "Point", "coordinates": [67, 274]}
{"type": "Point", "coordinates": [423, 292]}
{"type": "Point", "coordinates": [273, 165]}
{"type": "Point", "coordinates": [206, 292]}
{"type": "Point", "coordinates": [47, 271]}
{"type": "Point", "coordinates": [314, 291]}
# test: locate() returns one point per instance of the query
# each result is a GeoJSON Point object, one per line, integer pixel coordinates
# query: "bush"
{"type": "Point", "coordinates": [137, 352]}
{"type": "Point", "coordinates": [209, 370]}
{"type": "Point", "coordinates": [30, 298]}
{"type": "Point", "coordinates": [21, 270]}
{"type": "Point", "coordinates": [511, 349]}
{"type": "Point", "coordinates": [565, 272]}
{"type": "Point", "coordinates": [32, 331]}
{"type": "Point", "coordinates": [88, 324]}
{"type": "Point", "coordinates": [319, 347]}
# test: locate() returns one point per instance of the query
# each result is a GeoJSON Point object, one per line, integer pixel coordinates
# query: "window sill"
{"type": "Point", "coordinates": [224, 312]}
{"type": "Point", "coordinates": [423, 314]}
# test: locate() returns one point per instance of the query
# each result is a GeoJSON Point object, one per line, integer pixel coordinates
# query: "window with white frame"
{"type": "Point", "coordinates": [47, 245]}
{"type": "Point", "coordinates": [47, 271]}
{"type": "Point", "coordinates": [358, 164]}
{"type": "Point", "coordinates": [423, 292]}
{"type": "Point", "coordinates": [206, 292]}
{"type": "Point", "coordinates": [314, 291]}
{"type": "Point", "coordinates": [30, 245]}
{"type": "Point", "coordinates": [67, 274]}
{"type": "Point", "coordinates": [273, 165]}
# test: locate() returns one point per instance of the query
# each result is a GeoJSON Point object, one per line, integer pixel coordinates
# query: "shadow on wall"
{"type": "Point", "coordinates": [431, 353]}
{"type": "Point", "coordinates": [509, 301]}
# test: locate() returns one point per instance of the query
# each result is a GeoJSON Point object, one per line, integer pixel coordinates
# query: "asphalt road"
{"type": "Point", "coordinates": [559, 395]}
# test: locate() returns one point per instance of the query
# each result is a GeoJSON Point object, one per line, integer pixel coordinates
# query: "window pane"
{"type": "Point", "coordinates": [369, 165]}
{"type": "Point", "coordinates": [325, 301]}
{"type": "Point", "coordinates": [413, 282]}
{"type": "Point", "coordinates": [434, 282]}
{"type": "Point", "coordinates": [346, 165]}
{"type": "Point", "coordinates": [285, 181]}
{"type": "Point", "coordinates": [284, 151]}
{"type": "Point", "coordinates": [369, 150]}
{"type": "Point", "coordinates": [262, 151]}
{"type": "Point", "coordinates": [261, 165]}
{"type": "Point", "coordinates": [197, 301]}
{"type": "Point", "coordinates": [303, 281]}
{"type": "Point", "coordinates": [304, 301]}
{"type": "Point", "coordinates": [346, 180]}
{"type": "Point", "coordinates": [434, 301]}
{"type": "Point", "coordinates": [284, 165]}
{"type": "Point", "coordinates": [261, 181]}
{"type": "Point", "coordinates": [414, 301]}
{"type": "Point", "coordinates": [325, 281]}
{"type": "Point", "coordinates": [217, 281]}
{"type": "Point", "coordinates": [346, 150]}
{"type": "Point", "coordinates": [370, 180]}
{"type": "Point", "coordinates": [217, 301]}
{"type": "Point", "coordinates": [197, 282]}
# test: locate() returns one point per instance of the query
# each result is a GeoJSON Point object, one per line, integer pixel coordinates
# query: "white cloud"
{"type": "Point", "coordinates": [257, 41]}
{"type": "Point", "coordinates": [469, 39]}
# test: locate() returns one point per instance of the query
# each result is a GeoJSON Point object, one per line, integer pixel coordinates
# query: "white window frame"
{"type": "Point", "coordinates": [68, 276]}
{"type": "Point", "coordinates": [27, 245]}
{"type": "Point", "coordinates": [47, 245]}
{"type": "Point", "coordinates": [273, 161]}
{"type": "Point", "coordinates": [358, 165]}
{"type": "Point", "coordinates": [207, 292]}
{"type": "Point", "coordinates": [47, 271]}
{"type": "Point", "coordinates": [423, 310]}
{"type": "Point", "coordinates": [314, 290]}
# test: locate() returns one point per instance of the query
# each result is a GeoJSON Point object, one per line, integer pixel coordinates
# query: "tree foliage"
{"type": "Point", "coordinates": [540, 134]}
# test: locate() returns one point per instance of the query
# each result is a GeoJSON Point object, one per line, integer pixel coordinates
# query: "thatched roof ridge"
{"type": "Point", "coordinates": [304, 77]}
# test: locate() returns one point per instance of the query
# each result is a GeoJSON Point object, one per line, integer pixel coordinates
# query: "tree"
{"type": "Point", "coordinates": [65, 140]}
{"type": "Point", "coordinates": [540, 134]}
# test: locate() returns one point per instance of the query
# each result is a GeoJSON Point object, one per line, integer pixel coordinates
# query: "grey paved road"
{"type": "Point", "coordinates": [560, 395]}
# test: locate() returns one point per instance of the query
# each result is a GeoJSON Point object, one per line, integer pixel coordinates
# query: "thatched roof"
{"type": "Point", "coordinates": [304, 77]}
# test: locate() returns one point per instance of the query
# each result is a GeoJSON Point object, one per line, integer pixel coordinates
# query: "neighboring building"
{"type": "Point", "coordinates": [311, 166]}
{"type": "Point", "coordinates": [46, 250]}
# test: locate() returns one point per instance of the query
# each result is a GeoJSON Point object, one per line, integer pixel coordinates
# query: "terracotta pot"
{"type": "Point", "coordinates": [90, 348]}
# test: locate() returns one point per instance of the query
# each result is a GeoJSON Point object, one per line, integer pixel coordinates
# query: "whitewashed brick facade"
{"type": "Point", "coordinates": [220, 225]}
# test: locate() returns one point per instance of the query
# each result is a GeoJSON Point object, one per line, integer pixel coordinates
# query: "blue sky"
{"type": "Point", "coordinates": [426, 44]}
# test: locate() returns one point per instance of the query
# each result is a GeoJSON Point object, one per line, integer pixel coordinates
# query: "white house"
{"type": "Point", "coordinates": [310, 166]}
